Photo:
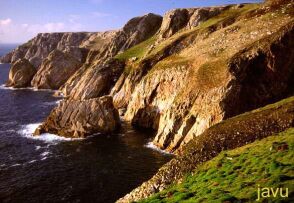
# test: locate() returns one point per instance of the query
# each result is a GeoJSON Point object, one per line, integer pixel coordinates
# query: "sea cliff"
{"type": "Point", "coordinates": [184, 75]}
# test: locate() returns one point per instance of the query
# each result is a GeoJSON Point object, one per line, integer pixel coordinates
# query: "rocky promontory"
{"type": "Point", "coordinates": [38, 48]}
{"type": "Point", "coordinates": [20, 74]}
{"type": "Point", "coordinates": [80, 119]}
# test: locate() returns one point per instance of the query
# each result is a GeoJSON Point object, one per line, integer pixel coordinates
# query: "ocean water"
{"type": "Point", "coordinates": [49, 168]}
{"type": "Point", "coordinates": [5, 48]}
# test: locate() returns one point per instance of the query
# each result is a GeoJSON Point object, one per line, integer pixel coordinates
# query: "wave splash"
{"type": "Point", "coordinates": [150, 145]}
{"type": "Point", "coordinates": [28, 130]}
{"type": "Point", "coordinates": [3, 87]}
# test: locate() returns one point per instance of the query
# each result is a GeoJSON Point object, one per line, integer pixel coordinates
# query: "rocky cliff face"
{"type": "Point", "coordinates": [21, 74]}
{"type": "Point", "coordinates": [179, 75]}
{"type": "Point", "coordinates": [228, 64]}
{"type": "Point", "coordinates": [39, 47]}
{"type": "Point", "coordinates": [178, 19]}
{"type": "Point", "coordinates": [99, 73]}
{"type": "Point", "coordinates": [55, 70]}
{"type": "Point", "coordinates": [81, 119]}
{"type": "Point", "coordinates": [106, 46]}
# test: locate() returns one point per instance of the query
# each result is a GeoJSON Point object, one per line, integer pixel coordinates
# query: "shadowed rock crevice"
{"type": "Point", "coordinates": [263, 75]}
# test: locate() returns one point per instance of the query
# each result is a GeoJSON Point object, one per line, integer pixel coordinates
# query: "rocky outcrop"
{"type": "Point", "coordinates": [178, 19]}
{"type": "Point", "coordinates": [258, 82]}
{"type": "Point", "coordinates": [21, 74]}
{"type": "Point", "coordinates": [38, 48]}
{"type": "Point", "coordinates": [229, 134]}
{"type": "Point", "coordinates": [135, 31]}
{"type": "Point", "coordinates": [97, 81]}
{"type": "Point", "coordinates": [80, 119]}
{"type": "Point", "coordinates": [154, 94]}
{"type": "Point", "coordinates": [55, 70]}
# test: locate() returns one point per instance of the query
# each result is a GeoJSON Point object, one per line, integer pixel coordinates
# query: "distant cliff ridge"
{"type": "Point", "coordinates": [39, 47]}
{"type": "Point", "coordinates": [178, 74]}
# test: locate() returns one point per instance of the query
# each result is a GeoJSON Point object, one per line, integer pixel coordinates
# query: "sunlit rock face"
{"type": "Point", "coordinates": [21, 74]}
{"type": "Point", "coordinates": [200, 76]}
{"type": "Point", "coordinates": [80, 119]}
{"type": "Point", "coordinates": [38, 48]}
{"type": "Point", "coordinates": [55, 70]}
{"type": "Point", "coordinates": [104, 47]}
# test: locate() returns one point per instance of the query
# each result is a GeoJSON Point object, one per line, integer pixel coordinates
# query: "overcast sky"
{"type": "Point", "coordinates": [20, 20]}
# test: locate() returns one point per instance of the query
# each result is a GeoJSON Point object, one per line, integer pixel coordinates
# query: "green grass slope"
{"type": "Point", "coordinates": [236, 175]}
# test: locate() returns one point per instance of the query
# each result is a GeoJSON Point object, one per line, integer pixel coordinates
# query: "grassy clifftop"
{"type": "Point", "coordinates": [236, 175]}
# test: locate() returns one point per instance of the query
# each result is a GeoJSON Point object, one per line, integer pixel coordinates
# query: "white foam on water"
{"type": "Point", "coordinates": [52, 103]}
{"type": "Point", "coordinates": [38, 147]}
{"type": "Point", "coordinates": [42, 90]}
{"type": "Point", "coordinates": [26, 88]}
{"type": "Point", "coordinates": [11, 88]}
{"type": "Point", "coordinates": [44, 158]}
{"type": "Point", "coordinates": [33, 161]}
{"type": "Point", "coordinates": [4, 88]}
{"type": "Point", "coordinates": [14, 165]}
{"type": "Point", "coordinates": [45, 154]}
{"type": "Point", "coordinates": [150, 145]}
{"type": "Point", "coordinates": [28, 130]}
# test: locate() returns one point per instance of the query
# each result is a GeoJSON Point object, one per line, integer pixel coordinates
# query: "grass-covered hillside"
{"type": "Point", "coordinates": [236, 175]}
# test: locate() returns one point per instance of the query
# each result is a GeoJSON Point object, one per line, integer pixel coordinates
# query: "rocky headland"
{"type": "Point", "coordinates": [186, 75]}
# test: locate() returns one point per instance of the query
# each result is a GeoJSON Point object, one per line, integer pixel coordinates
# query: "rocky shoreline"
{"type": "Point", "coordinates": [179, 74]}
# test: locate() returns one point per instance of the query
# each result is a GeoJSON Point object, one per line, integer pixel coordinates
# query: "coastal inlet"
{"type": "Point", "coordinates": [50, 168]}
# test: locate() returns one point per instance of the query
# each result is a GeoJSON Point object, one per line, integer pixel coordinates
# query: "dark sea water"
{"type": "Point", "coordinates": [51, 169]}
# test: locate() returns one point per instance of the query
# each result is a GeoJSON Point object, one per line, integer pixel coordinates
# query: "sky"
{"type": "Point", "coordinates": [21, 20]}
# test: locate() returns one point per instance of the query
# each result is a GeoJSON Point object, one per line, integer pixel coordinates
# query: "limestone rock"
{"type": "Point", "coordinates": [82, 118]}
{"type": "Point", "coordinates": [21, 74]}
{"type": "Point", "coordinates": [55, 70]}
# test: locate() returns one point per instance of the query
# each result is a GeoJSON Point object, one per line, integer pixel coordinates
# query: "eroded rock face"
{"type": "Point", "coordinates": [82, 118]}
{"type": "Point", "coordinates": [178, 19]}
{"type": "Point", "coordinates": [38, 48]}
{"type": "Point", "coordinates": [173, 21]}
{"type": "Point", "coordinates": [55, 70]}
{"type": "Point", "coordinates": [264, 76]}
{"type": "Point", "coordinates": [221, 78]}
{"type": "Point", "coordinates": [135, 31]}
{"type": "Point", "coordinates": [153, 95]}
{"type": "Point", "coordinates": [21, 74]}
{"type": "Point", "coordinates": [97, 81]}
